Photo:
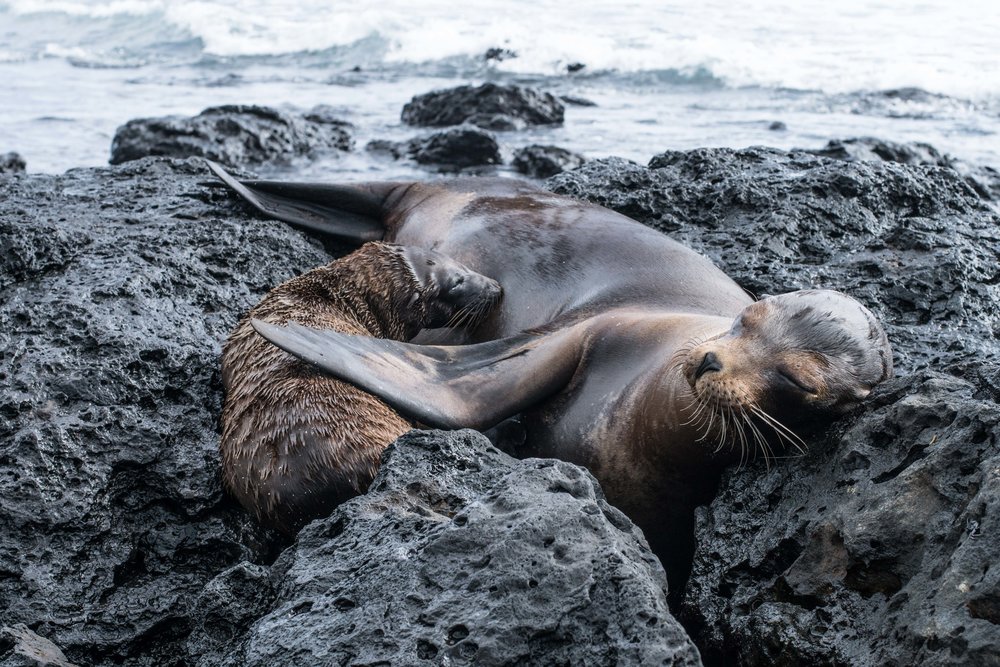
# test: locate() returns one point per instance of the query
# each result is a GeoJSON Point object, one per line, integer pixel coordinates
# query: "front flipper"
{"type": "Point", "coordinates": [353, 213]}
{"type": "Point", "coordinates": [465, 386]}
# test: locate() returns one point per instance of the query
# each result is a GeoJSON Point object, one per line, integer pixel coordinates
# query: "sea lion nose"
{"type": "Point", "coordinates": [709, 363]}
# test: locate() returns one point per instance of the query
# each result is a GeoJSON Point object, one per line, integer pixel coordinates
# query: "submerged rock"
{"type": "Point", "coordinates": [490, 106]}
{"type": "Point", "coordinates": [544, 161]}
{"type": "Point", "coordinates": [874, 548]}
{"type": "Point", "coordinates": [457, 148]}
{"type": "Point", "coordinates": [234, 135]}
{"type": "Point", "coordinates": [12, 163]}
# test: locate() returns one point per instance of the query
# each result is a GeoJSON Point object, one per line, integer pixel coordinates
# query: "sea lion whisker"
{"type": "Point", "coordinates": [783, 431]}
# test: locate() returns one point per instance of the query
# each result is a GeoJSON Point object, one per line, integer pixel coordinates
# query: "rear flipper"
{"type": "Point", "coordinates": [352, 213]}
{"type": "Point", "coordinates": [467, 386]}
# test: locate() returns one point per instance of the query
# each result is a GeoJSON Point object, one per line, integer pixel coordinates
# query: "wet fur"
{"type": "Point", "coordinates": [295, 442]}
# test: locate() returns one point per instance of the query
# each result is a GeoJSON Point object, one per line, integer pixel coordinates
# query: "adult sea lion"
{"type": "Point", "coordinates": [297, 442]}
{"type": "Point", "coordinates": [619, 348]}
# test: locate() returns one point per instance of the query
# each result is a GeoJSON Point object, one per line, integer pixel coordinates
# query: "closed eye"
{"type": "Point", "coordinates": [793, 382]}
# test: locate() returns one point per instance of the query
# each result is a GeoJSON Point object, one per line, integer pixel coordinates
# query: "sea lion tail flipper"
{"type": "Point", "coordinates": [346, 212]}
{"type": "Point", "coordinates": [463, 386]}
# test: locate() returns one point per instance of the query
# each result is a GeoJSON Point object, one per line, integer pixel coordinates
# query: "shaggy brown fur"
{"type": "Point", "coordinates": [295, 442]}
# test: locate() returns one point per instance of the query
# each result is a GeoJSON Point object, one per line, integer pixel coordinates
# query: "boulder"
{"type": "Point", "coordinates": [12, 163]}
{"type": "Point", "coordinates": [234, 135]}
{"type": "Point", "coordinates": [490, 106]}
{"type": "Point", "coordinates": [454, 148]}
{"type": "Point", "coordinates": [873, 548]}
{"type": "Point", "coordinates": [543, 161]}
{"type": "Point", "coordinates": [460, 555]}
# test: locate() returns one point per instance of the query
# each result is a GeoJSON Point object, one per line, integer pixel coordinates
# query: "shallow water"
{"type": "Point", "coordinates": [663, 75]}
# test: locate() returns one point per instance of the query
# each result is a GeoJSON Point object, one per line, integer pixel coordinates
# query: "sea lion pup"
{"type": "Point", "coordinates": [296, 442]}
{"type": "Point", "coordinates": [615, 315]}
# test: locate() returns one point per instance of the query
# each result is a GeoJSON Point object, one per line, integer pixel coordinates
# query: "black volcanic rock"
{"type": "Point", "coordinates": [117, 545]}
{"type": "Point", "coordinates": [459, 554]}
{"type": "Point", "coordinates": [984, 179]}
{"type": "Point", "coordinates": [490, 106]}
{"type": "Point", "coordinates": [543, 161]}
{"type": "Point", "coordinates": [234, 135]}
{"type": "Point", "coordinates": [876, 547]}
{"type": "Point", "coordinates": [457, 147]}
{"type": "Point", "coordinates": [12, 163]}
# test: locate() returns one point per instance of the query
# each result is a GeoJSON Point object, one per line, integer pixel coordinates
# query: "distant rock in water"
{"type": "Point", "coordinates": [234, 135]}
{"type": "Point", "coordinates": [575, 101]}
{"type": "Point", "coordinates": [12, 163]}
{"type": "Point", "coordinates": [572, 68]}
{"type": "Point", "coordinates": [777, 126]}
{"type": "Point", "coordinates": [458, 147]}
{"type": "Point", "coordinates": [543, 161]}
{"type": "Point", "coordinates": [490, 106]}
{"type": "Point", "coordinates": [499, 54]}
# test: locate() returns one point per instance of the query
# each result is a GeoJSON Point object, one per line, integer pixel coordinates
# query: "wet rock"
{"type": "Point", "coordinates": [499, 54]}
{"type": "Point", "coordinates": [12, 163]}
{"type": "Point", "coordinates": [455, 148]}
{"type": "Point", "coordinates": [874, 548]}
{"type": "Point", "coordinates": [460, 554]}
{"type": "Point", "coordinates": [490, 106]}
{"type": "Point", "coordinates": [572, 68]}
{"type": "Point", "coordinates": [544, 161]}
{"type": "Point", "coordinates": [117, 287]}
{"type": "Point", "coordinates": [576, 101]}
{"type": "Point", "coordinates": [234, 135]}
{"type": "Point", "coordinates": [777, 126]}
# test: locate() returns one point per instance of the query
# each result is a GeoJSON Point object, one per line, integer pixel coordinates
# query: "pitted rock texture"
{"type": "Point", "coordinates": [117, 287]}
{"type": "Point", "coordinates": [117, 545]}
{"type": "Point", "coordinates": [879, 548]}
{"type": "Point", "coordinates": [490, 106]}
{"type": "Point", "coordinates": [461, 555]}
{"type": "Point", "coordinates": [234, 135]}
{"type": "Point", "coordinates": [544, 161]}
{"type": "Point", "coordinates": [874, 548]}
{"type": "Point", "coordinates": [12, 163]}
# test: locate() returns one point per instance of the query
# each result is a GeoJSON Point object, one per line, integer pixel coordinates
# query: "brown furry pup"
{"type": "Point", "coordinates": [296, 442]}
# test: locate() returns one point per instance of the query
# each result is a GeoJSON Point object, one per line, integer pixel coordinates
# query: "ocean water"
{"type": "Point", "coordinates": [663, 75]}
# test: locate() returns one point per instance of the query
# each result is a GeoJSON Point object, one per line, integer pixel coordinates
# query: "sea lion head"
{"type": "Point", "coordinates": [787, 358]}
{"type": "Point", "coordinates": [451, 293]}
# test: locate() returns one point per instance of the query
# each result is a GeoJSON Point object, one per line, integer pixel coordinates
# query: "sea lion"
{"type": "Point", "coordinates": [639, 358]}
{"type": "Point", "coordinates": [297, 442]}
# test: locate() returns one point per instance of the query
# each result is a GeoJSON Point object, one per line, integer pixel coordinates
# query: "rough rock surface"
{"type": "Point", "coordinates": [879, 546]}
{"type": "Point", "coordinates": [461, 555]}
{"type": "Point", "coordinates": [457, 148]}
{"type": "Point", "coordinates": [984, 179]}
{"type": "Point", "coordinates": [12, 163]}
{"type": "Point", "coordinates": [543, 161]}
{"type": "Point", "coordinates": [234, 135]}
{"type": "Point", "coordinates": [490, 106]}
{"type": "Point", "coordinates": [117, 546]}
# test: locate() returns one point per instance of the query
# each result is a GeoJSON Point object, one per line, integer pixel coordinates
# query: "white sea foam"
{"type": "Point", "coordinates": [813, 44]}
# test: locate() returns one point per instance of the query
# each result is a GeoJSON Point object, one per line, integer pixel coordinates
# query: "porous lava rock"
{"type": "Point", "coordinates": [234, 135]}
{"type": "Point", "coordinates": [491, 106]}
{"type": "Point", "coordinates": [462, 555]}
{"type": "Point", "coordinates": [875, 547]}
{"type": "Point", "coordinates": [12, 163]}
{"type": "Point", "coordinates": [117, 544]}
{"type": "Point", "coordinates": [540, 161]}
